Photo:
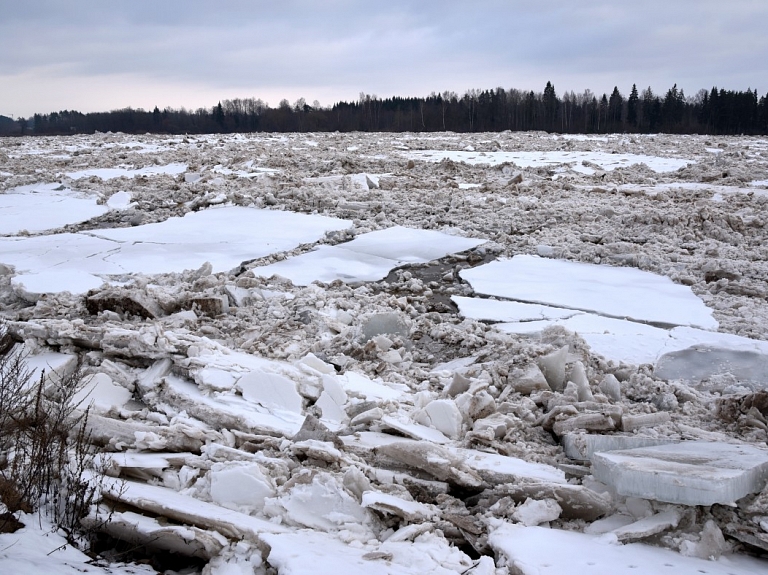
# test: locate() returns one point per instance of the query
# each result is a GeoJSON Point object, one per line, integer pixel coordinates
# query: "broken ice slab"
{"type": "Point", "coordinates": [185, 509]}
{"type": "Point", "coordinates": [229, 410]}
{"type": "Point", "coordinates": [529, 551]}
{"type": "Point", "coordinates": [648, 526]}
{"type": "Point", "coordinates": [496, 469]}
{"type": "Point", "coordinates": [614, 292]}
{"type": "Point", "coordinates": [701, 362]}
{"type": "Point", "coordinates": [581, 446]}
{"type": "Point", "coordinates": [50, 367]}
{"type": "Point", "coordinates": [369, 257]}
{"type": "Point", "coordinates": [100, 393]}
{"type": "Point", "coordinates": [414, 430]}
{"type": "Point", "coordinates": [576, 501]}
{"type": "Point", "coordinates": [689, 473]}
{"type": "Point", "coordinates": [142, 530]}
{"type": "Point", "coordinates": [412, 511]}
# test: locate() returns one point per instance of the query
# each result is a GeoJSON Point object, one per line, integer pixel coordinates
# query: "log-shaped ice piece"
{"type": "Point", "coordinates": [185, 509]}
{"type": "Point", "coordinates": [691, 472]}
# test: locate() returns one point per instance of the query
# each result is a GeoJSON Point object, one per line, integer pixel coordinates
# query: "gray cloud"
{"type": "Point", "coordinates": [93, 55]}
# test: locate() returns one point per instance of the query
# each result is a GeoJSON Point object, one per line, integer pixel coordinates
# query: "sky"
{"type": "Point", "coordinates": [100, 55]}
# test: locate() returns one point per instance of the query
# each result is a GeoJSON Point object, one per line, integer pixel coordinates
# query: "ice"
{"type": "Point", "coordinates": [119, 201]}
{"type": "Point", "coordinates": [111, 173]}
{"type": "Point", "coordinates": [508, 311]}
{"type": "Point", "coordinates": [320, 504]}
{"type": "Point", "coordinates": [146, 531]}
{"type": "Point", "coordinates": [365, 420]}
{"type": "Point", "coordinates": [77, 262]}
{"type": "Point", "coordinates": [414, 430]}
{"type": "Point", "coordinates": [238, 484]}
{"type": "Point", "coordinates": [526, 159]}
{"type": "Point", "coordinates": [40, 207]}
{"type": "Point", "coordinates": [101, 394]}
{"type": "Point", "coordinates": [648, 526]}
{"type": "Point", "coordinates": [312, 552]}
{"type": "Point", "coordinates": [536, 512]}
{"type": "Point", "coordinates": [496, 468]}
{"type": "Point", "coordinates": [368, 257]}
{"type": "Point", "coordinates": [690, 473]}
{"type": "Point", "coordinates": [412, 511]}
{"type": "Point", "coordinates": [702, 362]}
{"type": "Point", "coordinates": [529, 551]}
{"type": "Point", "coordinates": [186, 509]}
{"type": "Point", "coordinates": [614, 292]}
{"type": "Point", "coordinates": [230, 410]}
{"type": "Point", "coordinates": [443, 415]}
{"type": "Point", "coordinates": [582, 446]}
{"type": "Point", "coordinates": [270, 390]}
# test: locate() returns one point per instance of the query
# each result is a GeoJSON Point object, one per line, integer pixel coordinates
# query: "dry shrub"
{"type": "Point", "coordinates": [46, 460]}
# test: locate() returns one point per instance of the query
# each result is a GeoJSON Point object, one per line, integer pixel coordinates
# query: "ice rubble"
{"type": "Point", "coordinates": [242, 417]}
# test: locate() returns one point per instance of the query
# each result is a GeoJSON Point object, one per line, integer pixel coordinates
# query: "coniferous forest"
{"type": "Point", "coordinates": [717, 111]}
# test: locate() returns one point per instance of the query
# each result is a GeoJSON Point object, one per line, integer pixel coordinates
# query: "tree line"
{"type": "Point", "coordinates": [715, 111]}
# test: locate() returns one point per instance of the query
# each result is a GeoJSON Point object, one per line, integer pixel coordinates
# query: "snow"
{"type": "Point", "coordinates": [38, 548]}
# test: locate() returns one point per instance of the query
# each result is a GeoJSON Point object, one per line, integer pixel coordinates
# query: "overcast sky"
{"type": "Point", "coordinates": [98, 55]}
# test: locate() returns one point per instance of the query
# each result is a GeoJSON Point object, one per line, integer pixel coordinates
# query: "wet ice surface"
{"type": "Point", "coordinates": [396, 417]}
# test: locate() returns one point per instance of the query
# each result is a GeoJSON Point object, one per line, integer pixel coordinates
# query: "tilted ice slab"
{"type": "Point", "coordinates": [111, 173]}
{"type": "Point", "coordinates": [605, 160]}
{"type": "Point", "coordinates": [691, 472]}
{"type": "Point", "coordinates": [610, 291]}
{"type": "Point", "coordinates": [40, 207]}
{"type": "Point", "coordinates": [538, 550]}
{"type": "Point", "coordinates": [369, 257]}
{"type": "Point", "coordinates": [225, 237]}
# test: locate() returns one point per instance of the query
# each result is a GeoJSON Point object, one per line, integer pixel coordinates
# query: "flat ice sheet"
{"type": "Point", "coordinates": [125, 172]}
{"type": "Point", "coordinates": [40, 207]}
{"type": "Point", "coordinates": [530, 550]}
{"type": "Point", "coordinates": [610, 291]}
{"type": "Point", "coordinates": [369, 257]}
{"type": "Point", "coordinates": [605, 160]}
{"type": "Point", "coordinates": [225, 237]}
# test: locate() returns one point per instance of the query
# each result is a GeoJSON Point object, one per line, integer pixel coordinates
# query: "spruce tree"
{"type": "Point", "coordinates": [632, 107]}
